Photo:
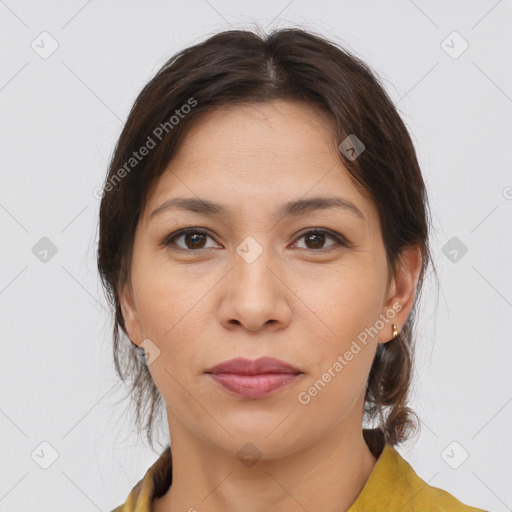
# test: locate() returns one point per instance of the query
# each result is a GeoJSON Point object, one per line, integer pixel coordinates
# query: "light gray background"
{"type": "Point", "coordinates": [60, 118]}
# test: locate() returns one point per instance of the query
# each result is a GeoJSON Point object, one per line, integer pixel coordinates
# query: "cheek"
{"type": "Point", "coordinates": [167, 298]}
{"type": "Point", "coordinates": [342, 355]}
{"type": "Point", "coordinates": [180, 362]}
{"type": "Point", "coordinates": [343, 307]}
{"type": "Point", "coordinates": [173, 319]}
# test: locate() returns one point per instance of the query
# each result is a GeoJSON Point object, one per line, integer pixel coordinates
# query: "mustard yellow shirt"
{"type": "Point", "coordinates": [393, 486]}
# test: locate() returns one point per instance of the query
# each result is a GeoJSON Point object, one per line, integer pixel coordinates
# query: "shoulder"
{"type": "Point", "coordinates": [419, 495]}
{"type": "Point", "coordinates": [154, 483]}
{"type": "Point", "coordinates": [394, 485]}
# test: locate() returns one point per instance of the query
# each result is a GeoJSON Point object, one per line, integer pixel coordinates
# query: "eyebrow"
{"type": "Point", "coordinates": [291, 208]}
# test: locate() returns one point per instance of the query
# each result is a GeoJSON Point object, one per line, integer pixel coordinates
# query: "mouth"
{"type": "Point", "coordinates": [254, 378]}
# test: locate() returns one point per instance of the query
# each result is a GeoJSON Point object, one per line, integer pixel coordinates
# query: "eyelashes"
{"type": "Point", "coordinates": [170, 240]}
{"type": "Point", "coordinates": [199, 236]}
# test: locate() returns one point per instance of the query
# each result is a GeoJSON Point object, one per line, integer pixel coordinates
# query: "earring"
{"type": "Point", "coordinates": [395, 332]}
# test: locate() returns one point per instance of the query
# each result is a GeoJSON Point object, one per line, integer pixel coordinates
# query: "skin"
{"type": "Point", "coordinates": [302, 300]}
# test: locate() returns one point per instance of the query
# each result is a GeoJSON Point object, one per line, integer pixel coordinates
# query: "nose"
{"type": "Point", "coordinates": [255, 296]}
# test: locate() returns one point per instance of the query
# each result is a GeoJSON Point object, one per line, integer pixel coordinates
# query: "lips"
{"type": "Point", "coordinates": [263, 365]}
{"type": "Point", "coordinates": [253, 378]}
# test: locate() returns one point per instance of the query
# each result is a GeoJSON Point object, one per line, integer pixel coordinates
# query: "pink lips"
{"type": "Point", "coordinates": [253, 378]}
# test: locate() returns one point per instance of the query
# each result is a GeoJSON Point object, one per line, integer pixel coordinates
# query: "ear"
{"type": "Point", "coordinates": [130, 314]}
{"type": "Point", "coordinates": [402, 291]}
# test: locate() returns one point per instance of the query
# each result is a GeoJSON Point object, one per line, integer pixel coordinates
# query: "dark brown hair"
{"type": "Point", "coordinates": [236, 67]}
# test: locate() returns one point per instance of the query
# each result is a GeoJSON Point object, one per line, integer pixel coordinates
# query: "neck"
{"type": "Point", "coordinates": [327, 475]}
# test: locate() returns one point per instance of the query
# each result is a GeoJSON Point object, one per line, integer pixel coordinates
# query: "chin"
{"type": "Point", "coordinates": [259, 437]}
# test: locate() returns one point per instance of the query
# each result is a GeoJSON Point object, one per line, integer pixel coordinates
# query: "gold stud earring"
{"type": "Point", "coordinates": [395, 331]}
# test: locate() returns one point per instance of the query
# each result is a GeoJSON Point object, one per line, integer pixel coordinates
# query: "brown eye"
{"type": "Point", "coordinates": [316, 239]}
{"type": "Point", "coordinates": [193, 239]}
{"type": "Point", "coordinates": [196, 240]}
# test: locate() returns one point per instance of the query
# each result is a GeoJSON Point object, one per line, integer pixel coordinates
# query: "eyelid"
{"type": "Point", "coordinates": [180, 232]}
{"type": "Point", "coordinates": [340, 239]}
{"type": "Point", "coordinates": [333, 234]}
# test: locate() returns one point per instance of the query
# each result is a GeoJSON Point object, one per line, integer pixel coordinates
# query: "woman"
{"type": "Point", "coordinates": [263, 241]}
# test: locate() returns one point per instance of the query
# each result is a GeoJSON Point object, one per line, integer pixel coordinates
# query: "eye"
{"type": "Point", "coordinates": [315, 239]}
{"type": "Point", "coordinates": [195, 239]}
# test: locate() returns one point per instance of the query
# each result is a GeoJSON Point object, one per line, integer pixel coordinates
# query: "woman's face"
{"type": "Point", "coordinates": [264, 281]}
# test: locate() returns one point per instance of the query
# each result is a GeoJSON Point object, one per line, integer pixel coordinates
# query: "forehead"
{"type": "Point", "coordinates": [252, 155]}
{"type": "Point", "coordinates": [280, 127]}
